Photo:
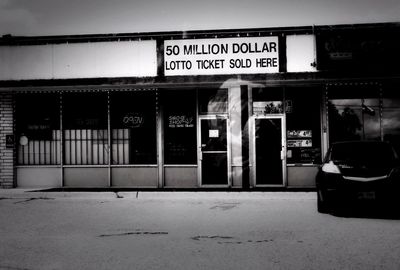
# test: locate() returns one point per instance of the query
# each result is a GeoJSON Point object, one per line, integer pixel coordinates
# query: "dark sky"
{"type": "Point", "coordinates": [65, 17]}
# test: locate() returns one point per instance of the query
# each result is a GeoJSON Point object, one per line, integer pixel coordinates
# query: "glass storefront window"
{"type": "Point", "coordinates": [85, 128]}
{"type": "Point", "coordinates": [303, 126]}
{"type": "Point", "coordinates": [267, 101]}
{"type": "Point", "coordinates": [353, 113]}
{"type": "Point", "coordinates": [213, 101]}
{"type": "Point", "coordinates": [180, 139]}
{"type": "Point", "coordinates": [391, 117]}
{"type": "Point", "coordinates": [133, 127]}
{"type": "Point", "coordinates": [38, 129]}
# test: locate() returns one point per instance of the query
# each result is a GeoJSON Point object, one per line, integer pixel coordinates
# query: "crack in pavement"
{"type": "Point", "coordinates": [217, 237]}
{"type": "Point", "coordinates": [32, 199]}
{"type": "Point", "coordinates": [197, 238]}
{"type": "Point", "coordinates": [248, 241]}
{"type": "Point", "coordinates": [224, 206]}
{"type": "Point", "coordinates": [133, 233]}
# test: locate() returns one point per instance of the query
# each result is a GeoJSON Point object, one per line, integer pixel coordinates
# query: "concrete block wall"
{"type": "Point", "coordinates": [7, 155]}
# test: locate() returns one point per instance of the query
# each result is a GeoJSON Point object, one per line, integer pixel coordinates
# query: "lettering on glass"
{"type": "Point", "coordinates": [133, 120]}
{"type": "Point", "coordinates": [180, 121]}
{"type": "Point", "coordinates": [87, 122]}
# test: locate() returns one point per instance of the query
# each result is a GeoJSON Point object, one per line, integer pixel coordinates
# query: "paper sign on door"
{"type": "Point", "coordinates": [213, 133]}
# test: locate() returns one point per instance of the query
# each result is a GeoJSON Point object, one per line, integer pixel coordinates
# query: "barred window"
{"type": "Point", "coordinates": [38, 129]}
{"type": "Point", "coordinates": [85, 128]}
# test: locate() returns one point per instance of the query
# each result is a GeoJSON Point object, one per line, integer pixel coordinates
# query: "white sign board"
{"type": "Point", "coordinates": [301, 53]}
{"type": "Point", "coordinates": [250, 55]}
{"type": "Point", "coordinates": [79, 60]}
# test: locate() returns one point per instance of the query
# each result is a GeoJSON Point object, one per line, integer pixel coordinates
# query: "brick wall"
{"type": "Point", "coordinates": [7, 173]}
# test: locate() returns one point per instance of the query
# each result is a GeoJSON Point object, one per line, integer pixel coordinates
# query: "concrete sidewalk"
{"type": "Point", "coordinates": [18, 193]}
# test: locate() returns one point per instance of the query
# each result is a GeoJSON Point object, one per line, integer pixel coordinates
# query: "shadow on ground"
{"type": "Point", "coordinates": [369, 211]}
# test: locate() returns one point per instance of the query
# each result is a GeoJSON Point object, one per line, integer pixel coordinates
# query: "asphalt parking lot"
{"type": "Point", "coordinates": [189, 230]}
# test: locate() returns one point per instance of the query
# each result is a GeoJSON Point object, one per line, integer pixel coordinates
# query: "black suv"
{"type": "Point", "coordinates": [358, 171]}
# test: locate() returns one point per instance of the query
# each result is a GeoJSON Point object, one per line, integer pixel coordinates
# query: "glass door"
{"type": "Point", "coordinates": [213, 151]}
{"type": "Point", "coordinates": [269, 148]}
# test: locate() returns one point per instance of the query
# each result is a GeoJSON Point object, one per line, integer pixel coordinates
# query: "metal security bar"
{"type": "Point", "coordinates": [85, 147]}
{"type": "Point", "coordinates": [85, 135]}
{"type": "Point", "coordinates": [73, 127]}
{"type": "Point", "coordinates": [120, 145]}
{"type": "Point", "coordinates": [39, 152]}
{"type": "Point", "coordinates": [38, 128]}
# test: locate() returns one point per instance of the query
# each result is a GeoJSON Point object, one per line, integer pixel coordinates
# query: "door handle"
{"type": "Point", "coordinates": [282, 154]}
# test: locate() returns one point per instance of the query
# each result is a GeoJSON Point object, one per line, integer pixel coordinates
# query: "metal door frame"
{"type": "Point", "coordinates": [254, 150]}
{"type": "Point", "coordinates": [228, 150]}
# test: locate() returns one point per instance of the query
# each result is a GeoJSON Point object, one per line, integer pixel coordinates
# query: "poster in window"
{"type": "Point", "coordinates": [299, 143]}
{"type": "Point", "coordinates": [299, 133]}
{"type": "Point", "coordinates": [299, 138]}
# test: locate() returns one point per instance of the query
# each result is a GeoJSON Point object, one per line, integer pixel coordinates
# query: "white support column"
{"type": "Point", "coordinates": [236, 134]}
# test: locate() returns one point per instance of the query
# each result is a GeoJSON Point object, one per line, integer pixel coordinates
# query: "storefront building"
{"type": "Point", "coordinates": [236, 109]}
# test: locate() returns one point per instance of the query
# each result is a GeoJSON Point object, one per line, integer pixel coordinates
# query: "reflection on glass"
{"type": "Point", "coordinates": [372, 126]}
{"type": "Point", "coordinates": [133, 127]}
{"type": "Point", "coordinates": [353, 112]}
{"type": "Point", "coordinates": [213, 101]}
{"type": "Point", "coordinates": [357, 113]}
{"type": "Point", "coordinates": [354, 119]}
{"type": "Point", "coordinates": [344, 123]}
{"type": "Point", "coordinates": [391, 119]}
